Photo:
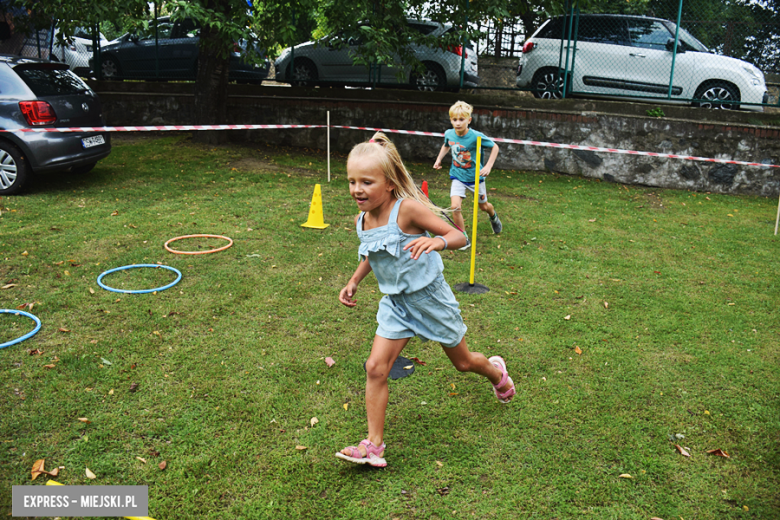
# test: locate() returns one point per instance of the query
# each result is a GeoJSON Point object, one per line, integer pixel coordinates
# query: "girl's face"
{"type": "Point", "coordinates": [367, 183]}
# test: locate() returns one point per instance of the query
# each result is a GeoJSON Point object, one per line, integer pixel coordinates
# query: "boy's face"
{"type": "Point", "coordinates": [460, 122]}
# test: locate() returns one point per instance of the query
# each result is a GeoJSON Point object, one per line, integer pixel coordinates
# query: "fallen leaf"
{"type": "Point", "coordinates": [8, 286]}
{"type": "Point", "coordinates": [443, 491]}
{"type": "Point", "coordinates": [63, 329]}
{"type": "Point", "coordinates": [133, 387]}
{"type": "Point", "coordinates": [591, 220]}
{"type": "Point", "coordinates": [453, 393]}
{"type": "Point", "coordinates": [111, 392]}
{"type": "Point", "coordinates": [578, 350]}
{"type": "Point", "coordinates": [719, 452]}
{"type": "Point", "coordinates": [314, 421]}
{"type": "Point", "coordinates": [682, 450]}
{"type": "Point", "coordinates": [90, 475]}
{"type": "Point", "coordinates": [115, 213]}
{"type": "Point", "coordinates": [162, 465]}
{"type": "Point", "coordinates": [625, 475]}
{"type": "Point", "coordinates": [329, 361]}
{"type": "Point", "coordinates": [25, 253]}
{"type": "Point", "coordinates": [452, 385]}
{"type": "Point", "coordinates": [300, 448]}
{"type": "Point", "coordinates": [346, 405]}
{"type": "Point", "coordinates": [84, 420]}
{"type": "Point", "coordinates": [37, 468]}
{"type": "Point", "coordinates": [91, 290]}
{"type": "Point", "coordinates": [441, 465]}
{"type": "Point", "coordinates": [656, 518]}
{"type": "Point", "coordinates": [35, 352]}
{"type": "Point", "coordinates": [106, 362]}
{"type": "Point", "coordinates": [418, 361]}
{"type": "Point", "coordinates": [606, 305]}
{"type": "Point", "coordinates": [408, 367]}
{"type": "Point", "coordinates": [49, 366]}
{"type": "Point", "coordinates": [53, 473]}
{"type": "Point", "coordinates": [141, 459]}
{"type": "Point", "coordinates": [567, 317]}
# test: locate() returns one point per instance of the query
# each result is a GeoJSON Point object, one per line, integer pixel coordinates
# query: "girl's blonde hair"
{"type": "Point", "coordinates": [385, 152]}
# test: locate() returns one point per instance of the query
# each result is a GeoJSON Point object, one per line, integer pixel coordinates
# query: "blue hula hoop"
{"type": "Point", "coordinates": [142, 291]}
{"type": "Point", "coordinates": [29, 334]}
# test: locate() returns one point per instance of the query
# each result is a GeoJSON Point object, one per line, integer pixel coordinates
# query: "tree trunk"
{"type": "Point", "coordinates": [211, 90]}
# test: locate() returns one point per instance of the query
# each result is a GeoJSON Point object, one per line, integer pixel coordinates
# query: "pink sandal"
{"type": "Point", "coordinates": [372, 457]}
{"type": "Point", "coordinates": [500, 364]}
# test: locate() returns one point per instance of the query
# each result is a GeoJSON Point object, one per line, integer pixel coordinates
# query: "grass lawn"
{"type": "Point", "coordinates": [632, 320]}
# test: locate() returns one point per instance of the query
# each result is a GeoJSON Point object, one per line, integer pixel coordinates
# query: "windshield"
{"type": "Point", "coordinates": [688, 39]}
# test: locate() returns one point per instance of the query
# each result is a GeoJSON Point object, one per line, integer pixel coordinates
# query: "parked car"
{"type": "Point", "coordinates": [76, 51]}
{"type": "Point", "coordinates": [40, 93]}
{"type": "Point", "coordinates": [175, 57]}
{"type": "Point", "coordinates": [622, 55]}
{"type": "Point", "coordinates": [330, 61]}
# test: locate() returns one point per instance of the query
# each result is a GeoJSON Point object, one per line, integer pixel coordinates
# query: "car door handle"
{"type": "Point", "coordinates": [637, 55]}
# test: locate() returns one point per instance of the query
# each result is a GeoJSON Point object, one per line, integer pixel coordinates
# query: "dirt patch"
{"type": "Point", "coordinates": [256, 164]}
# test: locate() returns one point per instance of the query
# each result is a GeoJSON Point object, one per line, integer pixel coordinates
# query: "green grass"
{"type": "Point", "coordinates": [670, 295]}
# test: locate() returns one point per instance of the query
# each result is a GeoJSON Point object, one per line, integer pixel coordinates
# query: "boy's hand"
{"type": "Point", "coordinates": [437, 165]}
{"type": "Point", "coordinates": [425, 245]}
{"type": "Point", "coordinates": [484, 171]}
{"type": "Point", "coordinates": [347, 293]}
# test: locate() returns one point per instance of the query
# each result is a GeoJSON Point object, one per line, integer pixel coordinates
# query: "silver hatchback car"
{"type": "Point", "coordinates": [40, 94]}
{"type": "Point", "coordinates": [329, 61]}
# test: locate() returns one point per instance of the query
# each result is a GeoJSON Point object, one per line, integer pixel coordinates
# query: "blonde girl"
{"type": "Point", "coordinates": [394, 225]}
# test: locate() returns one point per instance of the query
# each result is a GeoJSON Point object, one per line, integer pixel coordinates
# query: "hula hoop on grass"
{"type": "Point", "coordinates": [29, 334]}
{"type": "Point", "coordinates": [230, 243]}
{"type": "Point", "coordinates": [107, 288]}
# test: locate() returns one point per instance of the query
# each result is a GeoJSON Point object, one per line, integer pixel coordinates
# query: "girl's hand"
{"type": "Point", "coordinates": [425, 245]}
{"type": "Point", "coordinates": [347, 293]}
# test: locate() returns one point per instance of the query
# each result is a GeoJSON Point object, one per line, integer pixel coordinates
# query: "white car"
{"type": "Point", "coordinates": [632, 57]}
{"type": "Point", "coordinates": [77, 50]}
{"type": "Point", "coordinates": [330, 61]}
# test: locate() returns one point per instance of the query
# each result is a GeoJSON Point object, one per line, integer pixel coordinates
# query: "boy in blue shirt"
{"type": "Point", "coordinates": [463, 142]}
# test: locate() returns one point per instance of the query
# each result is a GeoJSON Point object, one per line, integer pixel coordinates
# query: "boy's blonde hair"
{"type": "Point", "coordinates": [461, 108]}
{"type": "Point", "coordinates": [393, 167]}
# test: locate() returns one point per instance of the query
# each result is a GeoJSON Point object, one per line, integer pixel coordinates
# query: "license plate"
{"type": "Point", "coordinates": [95, 140]}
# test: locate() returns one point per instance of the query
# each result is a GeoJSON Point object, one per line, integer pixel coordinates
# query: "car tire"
{"type": "Point", "coordinates": [14, 170]}
{"type": "Point", "coordinates": [83, 169]}
{"type": "Point", "coordinates": [304, 73]}
{"type": "Point", "coordinates": [547, 83]}
{"type": "Point", "coordinates": [717, 95]}
{"type": "Point", "coordinates": [433, 79]}
{"type": "Point", "coordinates": [110, 68]}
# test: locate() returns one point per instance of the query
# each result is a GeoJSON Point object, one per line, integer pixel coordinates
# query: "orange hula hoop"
{"type": "Point", "coordinates": [174, 251]}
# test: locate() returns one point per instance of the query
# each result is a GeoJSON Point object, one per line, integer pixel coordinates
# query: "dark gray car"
{"type": "Point", "coordinates": [39, 94]}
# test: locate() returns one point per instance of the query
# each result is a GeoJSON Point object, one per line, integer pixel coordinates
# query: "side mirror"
{"type": "Point", "coordinates": [670, 46]}
{"type": "Point", "coordinates": [134, 38]}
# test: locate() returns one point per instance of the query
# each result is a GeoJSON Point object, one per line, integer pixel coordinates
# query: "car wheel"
{"type": "Point", "coordinates": [547, 84]}
{"type": "Point", "coordinates": [432, 79]}
{"type": "Point", "coordinates": [14, 170]}
{"type": "Point", "coordinates": [304, 73]}
{"type": "Point", "coordinates": [84, 168]}
{"type": "Point", "coordinates": [110, 68]}
{"type": "Point", "coordinates": [717, 95]}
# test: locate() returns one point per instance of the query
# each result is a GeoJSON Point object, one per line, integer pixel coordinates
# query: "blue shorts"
{"type": "Point", "coordinates": [432, 314]}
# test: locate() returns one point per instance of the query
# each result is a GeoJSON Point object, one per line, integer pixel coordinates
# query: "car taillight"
{"type": "Point", "coordinates": [456, 49]}
{"type": "Point", "coordinates": [38, 113]}
{"type": "Point", "coordinates": [528, 47]}
{"type": "Point", "coordinates": [236, 48]}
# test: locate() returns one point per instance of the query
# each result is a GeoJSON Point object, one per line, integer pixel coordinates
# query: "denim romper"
{"type": "Point", "coordinates": [418, 301]}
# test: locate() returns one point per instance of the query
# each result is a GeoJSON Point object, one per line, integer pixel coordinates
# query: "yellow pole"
{"type": "Point", "coordinates": [476, 210]}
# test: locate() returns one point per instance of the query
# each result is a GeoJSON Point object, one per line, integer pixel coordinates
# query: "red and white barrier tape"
{"type": "Point", "coordinates": [164, 128]}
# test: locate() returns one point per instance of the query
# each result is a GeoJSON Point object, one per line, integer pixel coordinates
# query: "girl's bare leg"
{"type": "Point", "coordinates": [466, 361]}
{"type": "Point", "coordinates": [383, 354]}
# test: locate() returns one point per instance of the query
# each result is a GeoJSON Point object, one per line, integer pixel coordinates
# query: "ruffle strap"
{"type": "Point", "coordinates": [391, 243]}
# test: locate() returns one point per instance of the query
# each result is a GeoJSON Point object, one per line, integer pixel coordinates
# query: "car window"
{"type": "Point", "coordinates": [186, 28]}
{"type": "Point", "coordinates": [469, 45]}
{"type": "Point", "coordinates": [51, 82]}
{"type": "Point", "coordinates": [649, 34]}
{"type": "Point", "coordinates": [422, 28]}
{"type": "Point", "coordinates": [551, 30]}
{"type": "Point", "coordinates": [164, 30]}
{"type": "Point", "coordinates": [602, 30]}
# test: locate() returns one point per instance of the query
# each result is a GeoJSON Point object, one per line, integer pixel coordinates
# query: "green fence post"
{"type": "Point", "coordinates": [569, 73]}
{"type": "Point", "coordinates": [156, 46]}
{"type": "Point", "coordinates": [674, 51]}
{"type": "Point", "coordinates": [292, 53]}
{"type": "Point", "coordinates": [568, 47]}
{"type": "Point", "coordinates": [463, 48]}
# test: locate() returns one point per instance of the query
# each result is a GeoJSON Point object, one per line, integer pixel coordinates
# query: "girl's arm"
{"type": "Point", "coordinates": [347, 293]}
{"type": "Point", "coordinates": [442, 153]}
{"type": "Point", "coordinates": [414, 218]}
{"type": "Point", "coordinates": [485, 170]}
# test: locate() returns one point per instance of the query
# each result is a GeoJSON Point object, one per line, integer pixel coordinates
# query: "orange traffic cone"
{"type": "Point", "coordinates": [316, 219]}
{"type": "Point", "coordinates": [425, 188]}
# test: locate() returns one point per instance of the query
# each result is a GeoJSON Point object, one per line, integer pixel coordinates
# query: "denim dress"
{"type": "Point", "coordinates": [418, 301]}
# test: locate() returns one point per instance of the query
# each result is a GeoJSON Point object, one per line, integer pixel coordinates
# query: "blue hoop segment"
{"type": "Point", "coordinates": [29, 334]}
{"type": "Point", "coordinates": [142, 291]}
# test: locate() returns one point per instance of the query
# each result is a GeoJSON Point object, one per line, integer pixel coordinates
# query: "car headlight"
{"type": "Point", "coordinates": [756, 76]}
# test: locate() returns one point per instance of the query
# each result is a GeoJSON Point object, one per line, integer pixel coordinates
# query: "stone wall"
{"type": "Point", "coordinates": [733, 141]}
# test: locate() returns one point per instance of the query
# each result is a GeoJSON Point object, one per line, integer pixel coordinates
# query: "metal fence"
{"type": "Point", "coordinates": [702, 52]}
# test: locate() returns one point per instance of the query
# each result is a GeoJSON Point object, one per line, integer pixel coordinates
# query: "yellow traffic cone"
{"type": "Point", "coordinates": [316, 219]}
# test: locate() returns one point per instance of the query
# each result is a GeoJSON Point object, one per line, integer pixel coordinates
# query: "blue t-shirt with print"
{"type": "Point", "coordinates": [464, 154]}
